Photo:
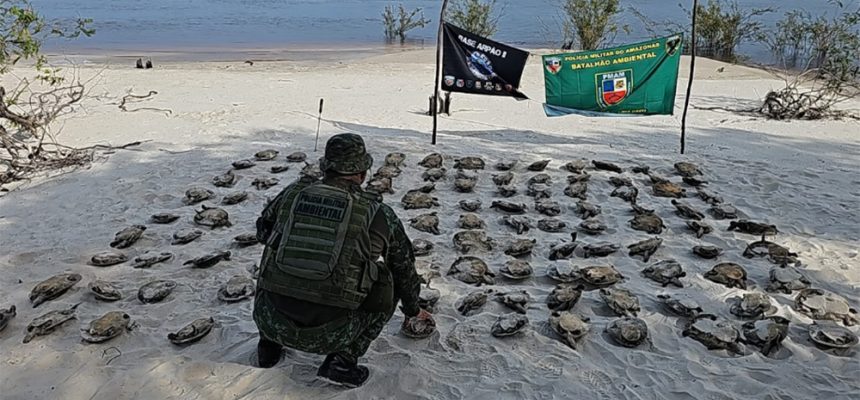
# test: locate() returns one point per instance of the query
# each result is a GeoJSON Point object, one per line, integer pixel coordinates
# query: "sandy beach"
{"type": "Point", "coordinates": [801, 176]}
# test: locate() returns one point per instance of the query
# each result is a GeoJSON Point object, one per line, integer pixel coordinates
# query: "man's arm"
{"type": "Point", "coordinates": [400, 260]}
{"type": "Point", "coordinates": [266, 221]}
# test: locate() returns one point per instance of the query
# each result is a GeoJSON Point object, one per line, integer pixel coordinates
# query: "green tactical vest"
{"type": "Point", "coordinates": [323, 255]}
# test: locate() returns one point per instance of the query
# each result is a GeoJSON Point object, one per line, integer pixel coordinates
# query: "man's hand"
{"type": "Point", "coordinates": [419, 326]}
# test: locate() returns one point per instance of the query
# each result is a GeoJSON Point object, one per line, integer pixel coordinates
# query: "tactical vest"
{"type": "Point", "coordinates": [323, 255]}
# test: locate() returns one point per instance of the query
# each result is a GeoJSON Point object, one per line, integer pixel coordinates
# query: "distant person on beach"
{"type": "Point", "coordinates": [322, 286]}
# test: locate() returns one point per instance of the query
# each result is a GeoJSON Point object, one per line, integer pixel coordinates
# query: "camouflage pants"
{"type": "Point", "coordinates": [351, 334]}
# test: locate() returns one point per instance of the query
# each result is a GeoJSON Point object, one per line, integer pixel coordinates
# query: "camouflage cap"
{"type": "Point", "coordinates": [345, 154]}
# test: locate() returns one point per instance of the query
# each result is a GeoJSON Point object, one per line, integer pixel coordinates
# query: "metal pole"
{"type": "Point", "coordinates": [435, 101]}
{"type": "Point", "coordinates": [690, 83]}
{"type": "Point", "coordinates": [319, 120]}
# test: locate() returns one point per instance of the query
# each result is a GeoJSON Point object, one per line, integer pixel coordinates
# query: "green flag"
{"type": "Point", "coordinates": [639, 78]}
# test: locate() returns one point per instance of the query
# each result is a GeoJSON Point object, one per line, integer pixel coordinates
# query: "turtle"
{"type": "Point", "coordinates": [6, 315]}
{"type": "Point", "coordinates": [592, 226]}
{"type": "Point", "coordinates": [821, 304]}
{"type": "Point", "coordinates": [563, 272]}
{"type": "Point", "coordinates": [418, 328]}
{"type": "Point", "coordinates": [185, 236]}
{"type": "Point", "coordinates": [509, 324]}
{"type": "Point", "coordinates": [426, 223]}
{"type": "Point", "coordinates": [163, 218]}
{"type": "Point", "coordinates": [621, 301]}
{"type": "Point", "coordinates": [428, 297]}
{"type": "Point", "coordinates": [470, 205]}
{"type": "Point", "coordinates": [516, 270]}
{"type": "Point", "coordinates": [724, 211]}
{"type": "Point", "coordinates": [506, 165]}
{"type": "Point", "coordinates": [563, 249]}
{"type": "Point", "coordinates": [466, 241]}
{"type": "Point", "coordinates": [619, 181]}
{"type": "Point", "coordinates": [53, 287]}
{"type": "Point", "coordinates": [395, 159]}
{"type": "Point", "coordinates": [297, 157]}
{"type": "Point", "coordinates": [786, 279]}
{"type": "Point", "coordinates": [517, 301]}
{"type": "Point", "coordinates": [428, 188]}
{"type": "Point", "coordinates": [541, 178]}
{"type": "Point", "coordinates": [599, 249]}
{"type": "Point", "coordinates": [687, 211]}
{"type": "Point", "coordinates": [774, 252]}
{"type": "Point", "coordinates": [520, 247]}
{"type": "Point", "coordinates": [151, 258]}
{"type": "Point", "coordinates": [107, 327]}
{"type": "Point", "coordinates": [645, 248]}
{"type": "Point", "coordinates": [641, 169]}
{"type": "Point", "coordinates": [586, 210]}
{"type": "Point", "coordinates": [472, 270]}
{"type": "Point", "coordinates": [637, 209]}
{"type": "Point", "coordinates": [465, 185]}
{"type": "Point", "coordinates": [280, 168]}
{"type": "Point", "coordinates": [246, 239]}
{"type": "Point", "coordinates": [710, 198]}
{"type": "Point", "coordinates": [600, 275]}
{"type": "Point", "coordinates": [471, 163]}
{"type": "Point", "coordinates": [564, 296]}
{"type": "Point", "coordinates": [753, 228]}
{"type": "Point", "coordinates": [212, 217]}
{"type": "Point", "coordinates": [48, 322]}
{"type": "Point", "coordinates": [832, 336]}
{"type": "Point", "coordinates": [539, 191]}
{"type": "Point", "coordinates": [699, 228]}
{"type": "Point", "coordinates": [105, 291]}
{"type": "Point", "coordinates": [508, 207]}
{"type": "Point", "coordinates": [418, 200]}
{"type": "Point", "coordinates": [728, 274]}
{"type": "Point", "coordinates": [576, 166]}
{"type": "Point", "coordinates": [227, 179]}
{"type": "Point", "coordinates": [234, 198]}
{"type": "Point", "coordinates": [387, 171]}
{"type": "Point", "coordinates": [680, 304]}
{"type": "Point", "coordinates": [127, 237]}
{"type": "Point", "coordinates": [606, 166]}
{"type": "Point", "coordinates": [192, 332]}
{"type": "Point", "coordinates": [538, 166]}
{"type": "Point", "coordinates": [380, 185]}
{"type": "Point", "coordinates": [551, 225]}
{"type": "Point", "coordinates": [311, 172]}
{"type": "Point", "coordinates": [209, 260]}
{"type": "Point", "coordinates": [108, 258]}
{"type": "Point", "coordinates": [466, 174]}
{"type": "Point", "coordinates": [578, 178]}
{"type": "Point", "coordinates": [569, 327]}
{"type": "Point", "coordinates": [628, 331]}
{"type": "Point", "coordinates": [693, 181]}
{"type": "Point", "coordinates": [421, 247]}
{"type": "Point", "coordinates": [155, 291]}
{"type": "Point", "coordinates": [655, 179]}
{"type": "Point", "coordinates": [649, 223]}
{"type": "Point", "coordinates": [433, 160]}
{"type": "Point", "coordinates": [265, 183]}
{"type": "Point", "coordinates": [752, 305]}
{"type": "Point", "coordinates": [714, 332]}
{"type": "Point", "coordinates": [243, 164]}
{"type": "Point", "coordinates": [687, 169]}
{"type": "Point", "coordinates": [577, 190]}
{"type": "Point", "coordinates": [707, 252]}
{"type": "Point", "coordinates": [473, 301]}
{"type": "Point", "coordinates": [238, 288]}
{"type": "Point", "coordinates": [519, 223]}
{"type": "Point", "coordinates": [669, 189]}
{"type": "Point", "coordinates": [626, 193]}
{"type": "Point", "coordinates": [550, 208]}
{"type": "Point", "coordinates": [665, 272]}
{"type": "Point", "coordinates": [507, 190]}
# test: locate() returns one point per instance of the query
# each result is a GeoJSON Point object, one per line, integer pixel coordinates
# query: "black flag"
{"type": "Point", "coordinates": [473, 64]}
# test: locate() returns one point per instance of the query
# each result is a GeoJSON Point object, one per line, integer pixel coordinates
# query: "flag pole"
{"type": "Point", "coordinates": [690, 83]}
{"type": "Point", "coordinates": [435, 104]}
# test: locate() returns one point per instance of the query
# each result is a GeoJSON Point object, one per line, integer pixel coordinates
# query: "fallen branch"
{"type": "Point", "coordinates": [134, 98]}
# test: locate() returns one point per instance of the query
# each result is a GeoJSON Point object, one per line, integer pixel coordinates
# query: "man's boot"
{"type": "Point", "coordinates": [344, 370]}
{"type": "Point", "coordinates": [268, 353]}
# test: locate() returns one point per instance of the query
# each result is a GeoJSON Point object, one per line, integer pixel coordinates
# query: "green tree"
{"type": "Point", "coordinates": [480, 17]}
{"type": "Point", "coordinates": [591, 24]}
{"type": "Point", "coordinates": [722, 25]}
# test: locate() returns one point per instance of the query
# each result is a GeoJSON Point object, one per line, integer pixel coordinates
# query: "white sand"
{"type": "Point", "coordinates": [801, 176]}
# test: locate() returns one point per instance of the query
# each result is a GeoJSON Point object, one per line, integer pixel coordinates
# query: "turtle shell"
{"type": "Point", "coordinates": [787, 279]}
{"type": "Point", "coordinates": [469, 163]}
{"type": "Point", "coordinates": [547, 207]}
{"type": "Point", "coordinates": [564, 296]}
{"type": "Point", "coordinates": [470, 205]}
{"type": "Point", "coordinates": [105, 291]}
{"type": "Point", "coordinates": [508, 207]}
{"type": "Point", "coordinates": [297, 157]}
{"type": "Point", "coordinates": [395, 159]}
{"type": "Point", "coordinates": [821, 304]}
{"type": "Point", "coordinates": [600, 275]}
{"type": "Point", "coordinates": [713, 332]}
{"type": "Point", "coordinates": [164, 218]}
{"type": "Point", "coordinates": [569, 326]}
{"type": "Point", "coordinates": [48, 322]}
{"type": "Point", "coordinates": [418, 200]}
{"type": "Point", "coordinates": [192, 332]}
{"type": "Point", "coordinates": [107, 327]}
{"type": "Point", "coordinates": [628, 331]}
{"type": "Point", "coordinates": [466, 241]}
{"type": "Point", "coordinates": [563, 272]}
{"type": "Point", "coordinates": [505, 165]}
{"type": "Point", "coordinates": [680, 304]}
{"type": "Point", "coordinates": [234, 198]}
{"type": "Point", "coordinates": [621, 301]}
{"type": "Point", "coordinates": [471, 270]}
{"type": "Point", "coordinates": [832, 336]}
{"type": "Point", "coordinates": [707, 252]}
{"type": "Point", "coordinates": [470, 221]}
{"type": "Point", "coordinates": [728, 274]}
{"type": "Point", "coordinates": [752, 305]}
{"type": "Point", "coordinates": [432, 160]}
{"type": "Point", "coordinates": [421, 247]}
{"type": "Point", "coordinates": [665, 272]}
{"type": "Point", "coordinates": [246, 239]}
{"type": "Point", "coordinates": [687, 169]}
{"type": "Point", "coordinates": [576, 166]}
{"type": "Point", "coordinates": [53, 287]}
{"type": "Point", "coordinates": [766, 333]}
{"type": "Point", "coordinates": [473, 301]}
{"type": "Point", "coordinates": [509, 324]}
{"type": "Point", "coordinates": [551, 225]}
{"type": "Point", "coordinates": [520, 247]}
{"type": "Point", "coordinates": [538, 166]}
{"type": "Point", "coordinates": [433, 174]}
{"type": "Point", "coordinates": [669, 189]}
{"type": "Point", "coordinates": [108, 258]}
{"type": "Point", "coordinates": [606, 166]}
{"type": "Point", "coordinates": [516, 270]}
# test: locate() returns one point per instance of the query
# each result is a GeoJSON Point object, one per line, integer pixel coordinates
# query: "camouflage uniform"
{"type": "Point", "coordinates": [322, 329]}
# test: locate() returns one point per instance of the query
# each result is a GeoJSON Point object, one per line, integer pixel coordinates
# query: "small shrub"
{"type": "Point", "coordinates": [399, 21]}
{"type": "Point", "coordinates": [591, 24]}
{"type": "Point", "coordinates": [722, 25]}
{"type": "Point", "coordinates": [480, 17]}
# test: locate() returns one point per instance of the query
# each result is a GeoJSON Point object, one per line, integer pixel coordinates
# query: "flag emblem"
{"type": "Point", "coordinates": [614, 87]}
{"type": "Point", "coordinates": [553, 65]}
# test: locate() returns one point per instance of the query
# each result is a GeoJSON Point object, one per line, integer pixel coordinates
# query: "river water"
{"type": "Point", "coordinates": [236, 25]}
